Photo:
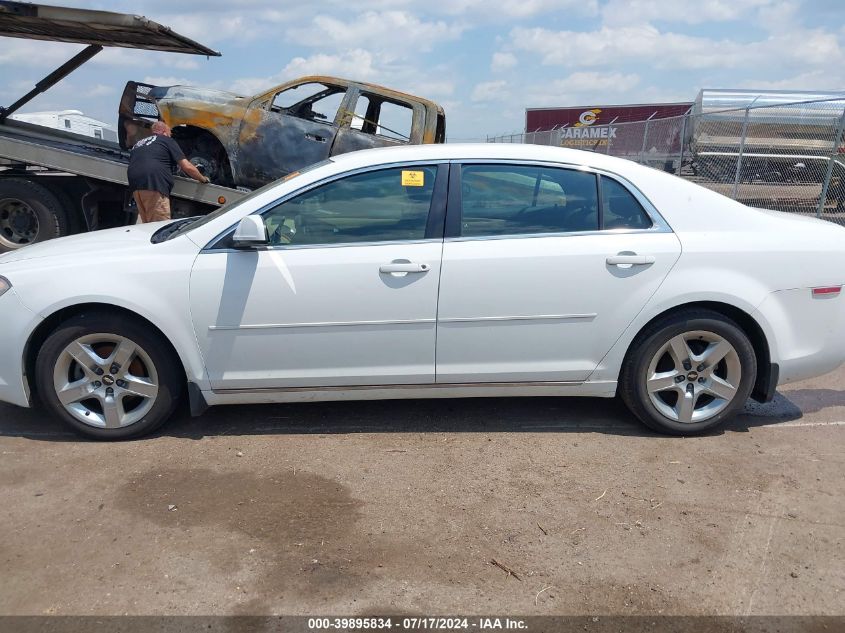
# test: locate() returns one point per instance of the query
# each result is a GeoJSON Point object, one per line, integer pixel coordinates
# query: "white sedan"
{"type": "Point", "coordinates": [430, 272]}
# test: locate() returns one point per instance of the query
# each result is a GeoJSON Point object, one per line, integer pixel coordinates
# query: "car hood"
{"type": "Point", "coordinates": [108, 240]}
{"type": "Point", "coordinates": [191, 93]}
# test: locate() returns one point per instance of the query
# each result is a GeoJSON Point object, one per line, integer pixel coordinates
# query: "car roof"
{"type": "Point", "coordinates": [484, 151]}
{"type": "Point", "coordinates": [341, 81]}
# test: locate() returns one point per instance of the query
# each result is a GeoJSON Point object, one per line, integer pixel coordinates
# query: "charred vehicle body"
{"type": "Point", "coordinates": [250, 141]}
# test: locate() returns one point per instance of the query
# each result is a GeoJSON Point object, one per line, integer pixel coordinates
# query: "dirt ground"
{"type": "Point", "coordinates": [401, 507]}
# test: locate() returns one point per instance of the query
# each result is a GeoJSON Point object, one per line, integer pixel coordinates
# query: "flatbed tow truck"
{"type": "Point", "coordinates": [55, 183]}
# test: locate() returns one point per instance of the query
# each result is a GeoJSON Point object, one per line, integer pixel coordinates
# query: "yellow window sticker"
{"type": "Point", "coordinates": [413, 178]}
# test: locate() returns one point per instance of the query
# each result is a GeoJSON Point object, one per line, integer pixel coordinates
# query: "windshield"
{"type": "Point", "coordinates": [183, 226]}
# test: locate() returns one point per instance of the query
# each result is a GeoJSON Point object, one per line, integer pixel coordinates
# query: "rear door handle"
{"type": "Point", "coordinates": [408, 267]}
{"type": "Point", "coordinates": [315, 137]}
{"type": "Point", "coordinates": [630, 260]}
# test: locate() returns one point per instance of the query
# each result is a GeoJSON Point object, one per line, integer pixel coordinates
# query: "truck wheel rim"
{"type": "Point", "coordinates": [18, 223]}
{"type": "Point", "coordinates": [693, 377]}
{"type": "Point", "coordinates": [105, 381]}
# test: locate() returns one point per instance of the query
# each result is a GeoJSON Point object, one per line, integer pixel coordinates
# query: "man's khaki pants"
{"type": "Point", "coordinates": [152, 206]}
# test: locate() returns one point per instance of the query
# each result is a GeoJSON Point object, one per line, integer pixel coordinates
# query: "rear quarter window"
{"type": "Point", "coordinates": [620, 209]}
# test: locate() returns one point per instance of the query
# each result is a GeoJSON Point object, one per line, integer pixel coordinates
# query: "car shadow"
{"type": "Point", "coordinates": [468, 415]}
{"type": "Point", "coordinates": [815, 400]}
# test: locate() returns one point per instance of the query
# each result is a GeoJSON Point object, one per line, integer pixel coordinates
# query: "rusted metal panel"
{"type": "Point", "coordinates": [270, 146]}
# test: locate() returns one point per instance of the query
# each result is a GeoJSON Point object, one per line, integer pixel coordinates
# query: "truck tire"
{"type": "Point", "coordinates": [70, 203]}
{"type": "Point", "coordinates": [29, 213]}
{"type": "Point", "coordinates": [206, 153]}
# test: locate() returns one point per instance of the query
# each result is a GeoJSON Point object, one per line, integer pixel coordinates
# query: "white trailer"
{"type": "Point", "coordinates": [69, 121]}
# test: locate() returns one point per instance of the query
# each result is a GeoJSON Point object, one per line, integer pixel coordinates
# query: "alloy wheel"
{"type": "Point", "coordinates": [105, 381]}
{"type": "Point", "coordinates": [693, 376]}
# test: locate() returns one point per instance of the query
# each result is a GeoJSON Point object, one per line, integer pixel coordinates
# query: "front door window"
{"type": "Point", "coordinates": [377, 206]}
{"type": "Point", "coordinates": [311, 102]}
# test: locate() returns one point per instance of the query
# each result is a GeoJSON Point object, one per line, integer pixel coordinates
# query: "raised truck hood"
{"type": "Point", "coordinates": [191, 93]}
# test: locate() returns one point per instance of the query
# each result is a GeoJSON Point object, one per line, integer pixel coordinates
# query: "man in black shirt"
{"type": "Point", "coordinates": [152, 162]}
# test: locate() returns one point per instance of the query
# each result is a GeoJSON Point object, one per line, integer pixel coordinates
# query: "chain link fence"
{"type": "Point", "coordinates": [788, 157]}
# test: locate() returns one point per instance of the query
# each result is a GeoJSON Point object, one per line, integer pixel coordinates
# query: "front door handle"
{"type": "Point", "coordinates": [315, 137]}
{"type": "Point", "coordinates": [630, 260]}
{"type": "Point", "coordinates": [404, 267]}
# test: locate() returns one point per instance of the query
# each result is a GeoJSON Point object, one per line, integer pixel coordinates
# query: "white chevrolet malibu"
{"type": "Point", "coordinates": [430, 272]}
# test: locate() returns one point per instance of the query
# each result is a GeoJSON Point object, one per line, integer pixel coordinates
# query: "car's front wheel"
{"type": "Point", "coordinates": [107, 376]}
{"type": "Point", "coordinates": [689, 372]}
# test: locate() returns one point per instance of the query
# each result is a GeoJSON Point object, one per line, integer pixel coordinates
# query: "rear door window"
{"type": "Point", "coordinates": [525, 200]}
{"type": "Point", "coordinates": [375, 115]}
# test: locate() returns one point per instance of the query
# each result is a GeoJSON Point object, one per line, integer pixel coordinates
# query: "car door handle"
{"type": "Point", "coordinates": [315, 137]}
{"type": "Point", "coordinates": [630, 260]}
{"type": "Point", "coordinates": [407, 267]}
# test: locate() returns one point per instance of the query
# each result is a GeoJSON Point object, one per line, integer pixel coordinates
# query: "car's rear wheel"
{"type": "Point", "coordinates": [688, 373]}
{"type": "Point", "coordinates": [108, 377]}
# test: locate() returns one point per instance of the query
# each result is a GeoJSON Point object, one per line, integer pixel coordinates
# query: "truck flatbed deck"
{"type": "Point", "coordinates": [28, 145]}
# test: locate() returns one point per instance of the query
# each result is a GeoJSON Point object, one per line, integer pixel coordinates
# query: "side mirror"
{"type": "Point", "coordinates": [250, 233]}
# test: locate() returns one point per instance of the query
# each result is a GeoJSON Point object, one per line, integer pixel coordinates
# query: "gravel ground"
{"type": "Point", "coordinates": [401, 507]}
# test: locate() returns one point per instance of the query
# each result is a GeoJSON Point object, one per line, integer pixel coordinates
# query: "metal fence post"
{"type": "Point", "coordinates": [739, 158]}
{"type": "Point", "coordinates": [829, 174]}
{"type": "Point", "coordinates": [645, 137]}
{"type": "Point", "coordinates": [683, 140]}
{"type": "Point", "coordinates": [608, 135]}
{"type": "Point", "coordinates": [645, 140]}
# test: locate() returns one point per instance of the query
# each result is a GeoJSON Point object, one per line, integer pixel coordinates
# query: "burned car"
{"type": "Point", "coordinates": [250, 141]}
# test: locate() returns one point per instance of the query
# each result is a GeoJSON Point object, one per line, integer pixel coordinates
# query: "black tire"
{"type": "Point", "coordinates": [166, 366]}
{"type": "Point", "coordinates": [207, 155]}
{"type": "Point", "coordinates": [70, 203]}
{"type": "Point", "coordinates": [634, 374]}
{"type": "Point", "coordinates": [42, 216]}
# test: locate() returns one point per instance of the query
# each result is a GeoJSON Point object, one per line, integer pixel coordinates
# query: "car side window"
{"type": "Point", "coordinates": [312, 101]}
{"type": "Point", "coordinates": [374, 206]}
{"type": "Point", "coordinates": [519, 200]}
{"type": "Point", "coordinates": [620, 209]}
{"type": "Point", "coordinates": [374, 115]}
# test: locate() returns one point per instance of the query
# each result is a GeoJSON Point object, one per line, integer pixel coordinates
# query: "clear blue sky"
{"type": "Point", "coordinates": [484, 60]}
